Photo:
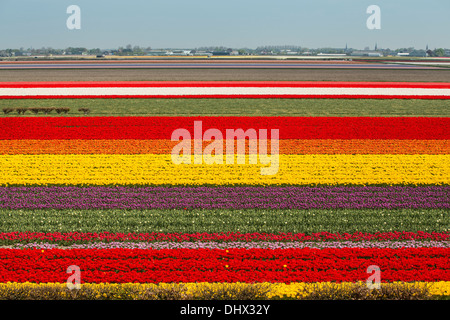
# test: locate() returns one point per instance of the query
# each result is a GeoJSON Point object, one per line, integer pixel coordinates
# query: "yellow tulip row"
{"type": "Point", "coordinates": [205, 290]}
{"type": "Point", "coordinates": [154, 169]}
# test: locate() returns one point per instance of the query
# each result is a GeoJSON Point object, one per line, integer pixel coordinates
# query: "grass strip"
{"type": "Point", "coordinates": [235, 107]}
{"type": "Point", "coordinates": [226, 220]}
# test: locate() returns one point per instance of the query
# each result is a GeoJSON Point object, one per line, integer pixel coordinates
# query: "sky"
{"type": "Point", "coordinates": [108, 24]}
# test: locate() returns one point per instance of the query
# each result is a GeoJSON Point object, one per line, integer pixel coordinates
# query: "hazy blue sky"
{"type": "Point", "coordinates": [231, 23]}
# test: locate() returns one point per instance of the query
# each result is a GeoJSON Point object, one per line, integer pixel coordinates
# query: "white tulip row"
{"type": "Point", "coordinates": [225, 91]}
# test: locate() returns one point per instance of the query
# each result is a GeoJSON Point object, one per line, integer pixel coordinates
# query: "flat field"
{"type": "Point", "coordinates": [68, 191]}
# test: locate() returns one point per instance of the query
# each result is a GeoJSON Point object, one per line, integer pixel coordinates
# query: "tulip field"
{"type": "Point", "coordinates": [104, 194]}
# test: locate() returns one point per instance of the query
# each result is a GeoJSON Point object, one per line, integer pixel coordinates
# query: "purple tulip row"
{"type": "Point", "coordinates": [389, 197]}
{"type": "Point", "coordinates": [243, 245]}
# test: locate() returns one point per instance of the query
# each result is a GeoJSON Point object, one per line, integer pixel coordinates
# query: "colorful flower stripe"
{"type": "Point", "coordinates": [160, 170]}
{"type": "Point", "coordinates": [148, 128]}
{"type": "Point", "coordinates": [209, 84]}
{"type": "Point", "coordinates": [223, 89]}
{"type": "Point", "coordinates": [288, 146]}
{"type": "Point", "coordinates": [436, 95]}
{"type": "Point", "coordinates": [222, 237]}
{"type": "Point", "coordinates": [67, 167]}
{"type": "Point", "coordinates": [230, 265]}
{"type": "Point", "coordinates": [241, 245]}
{"type": "Point", "coordinates": [224, 197]}
{"type": "Point", "coordinates": [139, 291]}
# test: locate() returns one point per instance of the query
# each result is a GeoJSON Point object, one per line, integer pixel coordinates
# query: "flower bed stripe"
{"type": "Point", "coordinates": [242, 245]}
{"type": "Point", "coordinates": [145, 128]}
{"type": "Point", "coordinates": [241, 96]}
{"type": "Point", "coordinates": [228, 84]}
{"type": "Point", "coordinates": [225, 90]}
{"type": "Point", "coordinates": [253, 221]}
{"type": "Point", "coordinates": [204, 290]}
{"type": "Point", "coordinates": [288, 146]}
{"type": "Point", "coordinates": [219, 265]}
{"type": "Point", "coordinates": [224, 197]}
{"type": "Point", "coordinates": [8, 238]}
{"type": "Point", "coordinates": [160, 170]}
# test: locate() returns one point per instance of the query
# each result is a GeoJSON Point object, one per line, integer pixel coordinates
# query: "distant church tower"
{"type": "Point", "coordinates": [376, 46]}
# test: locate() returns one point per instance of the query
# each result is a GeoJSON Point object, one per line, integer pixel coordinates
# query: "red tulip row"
{"type": "Point", "coordinates": [218, 265]}
{"type": "Point", "coordinates": [243, 84]}
{"type": "Point", "coordinates": [289, 127]}
{"type": "Point", "coordinates": [223, 236]}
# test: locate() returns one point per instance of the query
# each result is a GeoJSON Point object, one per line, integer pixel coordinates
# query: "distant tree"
{"type": "Point", "coordinates": [439, 52]}
{"type": "Point", "coordinates": [138, 50]}
{"type": "Point", "coordinates": [95, 51]}
{"type": "Point", "coordinates": [77, 50]}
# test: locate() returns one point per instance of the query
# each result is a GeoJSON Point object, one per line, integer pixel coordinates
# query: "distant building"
{"type": "Point", "coordinates": [181, 52]}
{"type": "Point", "coordinates": [403, 54]}
{"type": "Point", "coordinates": [158, 53]}
{"type": "Point", "coordinates": [221, 53]}
{"type": "Point", "coordinates": [332, 54]}
{"type": "Point", "coordinates": [202, 53]}
{"type": "Point", "coordinates": [366, 53]}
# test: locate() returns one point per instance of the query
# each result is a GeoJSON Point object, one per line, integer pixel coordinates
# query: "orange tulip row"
{"type": "Point", "coordinates": [289, 146]}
